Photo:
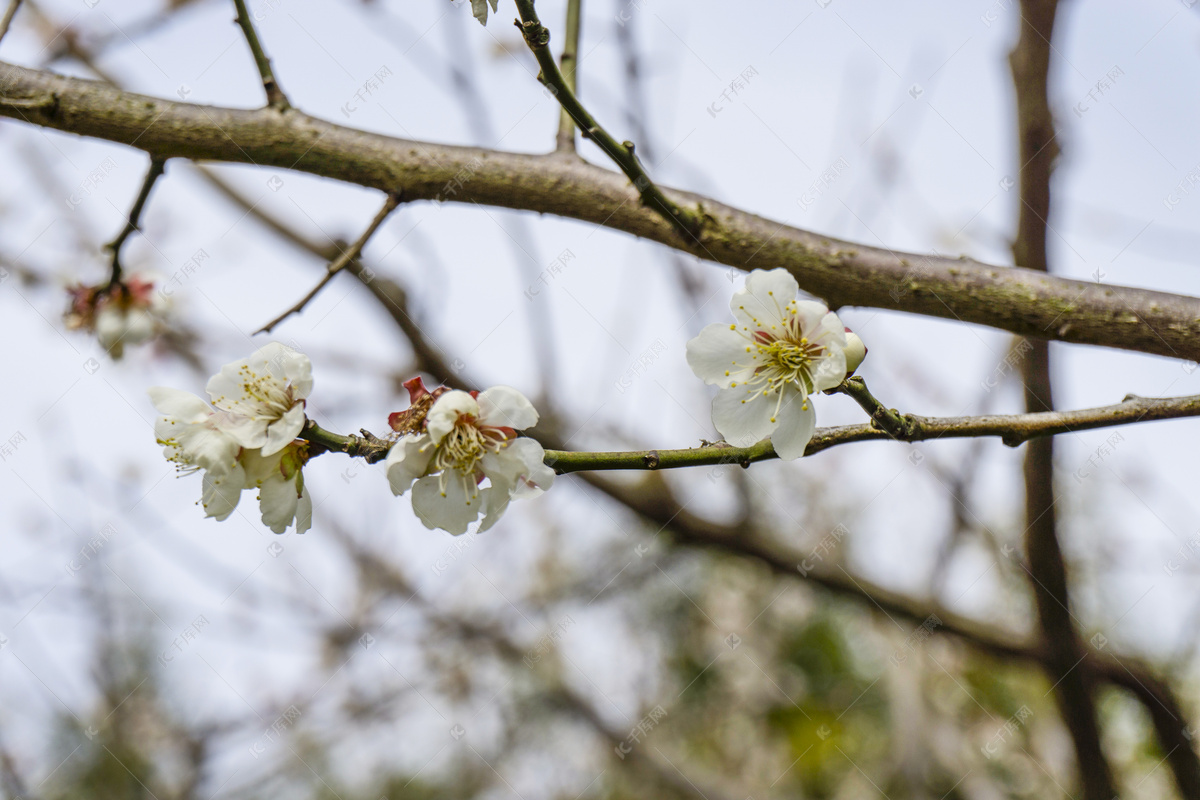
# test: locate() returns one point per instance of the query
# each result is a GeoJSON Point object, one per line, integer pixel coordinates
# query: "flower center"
{"type": "Point", "coordinates": [268, 391]}
{"type": "Point", "coordinates": [467, 443]}
{"type": "Point", "coordinates": [786, 361]}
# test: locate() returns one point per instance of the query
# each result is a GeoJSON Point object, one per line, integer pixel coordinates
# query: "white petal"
{"type": "Point", "coordinates": [407, 460]}
{"type": "Point", "coordinates": [797, 421]}
{"type": "Point", "coordinates": [278, 498]}
{"type": "Point", "coordinates": [304, 512]}
{"type": "Point", "coordinates": [260, 468]}
{"type": "Point", "coordinates": [521, 466]}
{"type": "Point", "coordinates": [495, 500]}
{"type": "Point", "coordinates": [760, 304]}
{"type": "Point", "coordinates": [178, 404]}
{"type": "Point", "coordinates": [248, 432]}
{"type": "Point", "coordinates": [813, 316]}
{"type": "Point", "coordinates": [452, 511]}
{"type": "Point", "coordinates": [504, 406]}
{"type": "Point", "coordinates": [743, 416]}
{"type": "Point", "coordinates": [208, 448]}
{"type": "Point", "coordinates": [285, 365]}
{"type": "Point", "coordinates": [284, 430]}
{"type": "Point", "coordinates": [831, 367]}
{"type": "Point", "coordinates": [221, 493]}
{"type": "Point", "coordinates": [444, 413]}
{"type": "Point", "coordinates": [722, 356]}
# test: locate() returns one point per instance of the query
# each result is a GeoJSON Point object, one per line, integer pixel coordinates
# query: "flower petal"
{"type": "Point", "coordinates": [304, 512]}
{"type": "Point", "coordinates": [444, 413]}
{"type": "Point", "coordinates": [178, 404]}
{"type": "Point", "coordinates": [722, 356]}
{"type": "Point", "coordinates": [743, 416]}
{"type": "Point", "coordinates": [797, 421]}
{"type": "Point", "coordinates": [504, 406]}
{"type": "Point", "coordinates": [207, 448]}
{"type": "Point", "coordinates": [520, 465]}
{"type": "Point", "coordinates": [831, 367]}
{"type": "Point", "coordinates": [284, 430]}
{"type": "Point", "coordinates": [220, 493]}
{"type": "Point", "coordinates": [452, 510]}
{"type": "Point", "coordinates": [277, 499]}
{"type": "Point", "coordinates": [407, 460]}
{"type": "Point", "coordinates": [248, 432]}
{"type": "Point", "coordinates": [760, 304]}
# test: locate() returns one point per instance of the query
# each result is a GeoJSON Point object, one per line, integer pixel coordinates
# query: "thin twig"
{"type": "Point", "coordinates": [338, 263]}
{"type": "Point", "coordinates": [133, 223]}
{"type": "Point", "coordinates": [889, 420]}
{"type": "Point", "coordinates": [7, 19]}
{"type": "Point", "coordinates": [622, 153]}
{"type": "Point", "coordinates": [1013, 429]}
{"type": "Point", "coordinates": [569, 62]}
{"type": "Point", "coordinates": [275, 97]}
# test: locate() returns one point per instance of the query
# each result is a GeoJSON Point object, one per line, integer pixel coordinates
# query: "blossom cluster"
{"type": "Point", "coordinates": [120, 313]}
{"type": "Point", "coordinates": [446, 445]}
{"type": "Point", "coordinates": [247, 437]}
{"type": "Point", "coordinates": [460, 455]}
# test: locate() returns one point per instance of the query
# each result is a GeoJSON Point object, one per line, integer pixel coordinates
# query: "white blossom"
{"type": "Point", "coordinates": [467, 439]}
{"type": "Point", "coordinates": [126, 312]}
{"type": "Point", "coordinates": [191, 437]}
{"type": "Point", "coordinates": [266, 395]}
{"type": "Point", "coordinates": [768, 363]}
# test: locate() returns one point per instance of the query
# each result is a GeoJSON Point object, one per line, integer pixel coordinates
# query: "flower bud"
{"type": "Point", "coordinates": [855, 352]}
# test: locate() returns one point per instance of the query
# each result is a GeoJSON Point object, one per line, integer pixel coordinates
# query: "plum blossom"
{"type": "Point", "coordinates": [768, 363]}
{"type": "Point", "coordinates": [265, 394]}
{"type": "Point", "coordinates": [191, 438]}
{"type": "Point", "coordinates": [282, 496]}
{"type": "Point", "coordinates": [465, 438]}
{"type": "Point", "coordinates": [125, 312]}
{"type": "Point", "coordinates": [248, 440]}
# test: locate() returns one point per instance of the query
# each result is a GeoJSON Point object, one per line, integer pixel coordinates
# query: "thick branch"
{"type": "Point", "coordinates": [339, 263]}
{"type": "Point", "coordinates": [1013, 429]}
{"type": "Point", "coordinates": [1018, 300]}
{"type": "Point", "coordinates": [276, 99]}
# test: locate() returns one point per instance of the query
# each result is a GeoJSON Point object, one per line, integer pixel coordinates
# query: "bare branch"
{"type": "Point", "coordinates": [134, 221]}
{"type": "Point", "coordinates": [338, 263]}
{"type": "Point", "coordinates": [688, 222]}
{"type": "Point", "coordinates": [276, 99]}
{"type": "Point", "coordinates": [1025, 302]}
{"type": "Point", "coordinates": [569, 62]}
{"type": "Point", "coordinates": [1013, 429]}
{"type": "Point", "coordinates": [7, 19]}
{"type": "Point", "coordinates": [1071, 678]}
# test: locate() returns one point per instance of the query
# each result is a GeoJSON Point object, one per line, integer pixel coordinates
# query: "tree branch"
{"type": "Point", "coordinates": [134, 221]}
{"type": "Point", "coordinates": [7, 19]}
{"type": "Point", "coordinates": [276, 99]}
{"type": "Point", "coordinates": [1022, 301]}
{"type": "Point", "coordinates": [338, 263]}
{"type": "Point", "coordinates": [569, 62]}
{"type": "Point", "coordinates": [1071, 678]}
{"type": "Point", "coordinates": [1013, 430]}
{"type": "Point", "coordinates": [538, 38]}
